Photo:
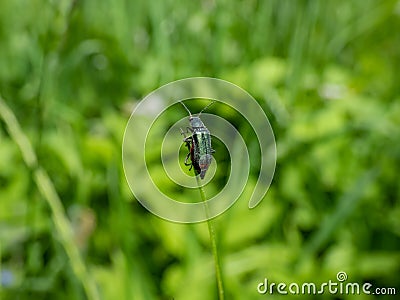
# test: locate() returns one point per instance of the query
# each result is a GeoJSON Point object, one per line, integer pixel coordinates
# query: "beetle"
{"type": "Point", "coordinates": [198, 143]}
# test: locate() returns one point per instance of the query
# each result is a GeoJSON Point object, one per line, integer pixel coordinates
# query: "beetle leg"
{"type": "Point", "coordinates": [186, 160]}
{"type": "Point", "coordinates": [186, 139]}
{"type": "Point", "coordinates": [188, 142]}
{"type": "Point", "coordinates": [182, 133]}
{"type": "Point", "coordinates": [186, 163]}
{"type": "Point", "coordinates": [188, 130]}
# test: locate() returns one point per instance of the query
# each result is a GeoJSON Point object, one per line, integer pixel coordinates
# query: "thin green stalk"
{"type": "Point", "coordinates": [0, 272]}
{"type": "Point", "coordinates": [49, 193]}
{"type": "Point", "coordinates": [213, 239]}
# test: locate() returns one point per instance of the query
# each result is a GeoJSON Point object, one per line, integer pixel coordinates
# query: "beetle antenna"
{"type": "Point", "coordinates": [207, 106]}
{"type": "Point", "coordinates": [186, 108]}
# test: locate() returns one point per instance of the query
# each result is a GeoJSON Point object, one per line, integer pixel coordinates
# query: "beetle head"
{"type": "Point", "coordinates": [195, 121]}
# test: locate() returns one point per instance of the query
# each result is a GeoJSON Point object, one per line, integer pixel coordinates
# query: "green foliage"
{"type": "Point", "coordinates": [326, 74]}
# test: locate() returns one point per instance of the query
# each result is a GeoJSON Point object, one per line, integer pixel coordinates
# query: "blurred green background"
{"type": "Point", "coordinates": [325, 72]}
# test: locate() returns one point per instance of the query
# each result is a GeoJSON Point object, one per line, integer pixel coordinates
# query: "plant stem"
{"type": "Point", "coordinates": [0, 273]}
{"type": "Point", "coordinates": [213, 239]}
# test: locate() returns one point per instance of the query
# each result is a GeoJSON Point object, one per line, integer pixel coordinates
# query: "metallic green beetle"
{"type": "Point", "coordinates": [198, 144]}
